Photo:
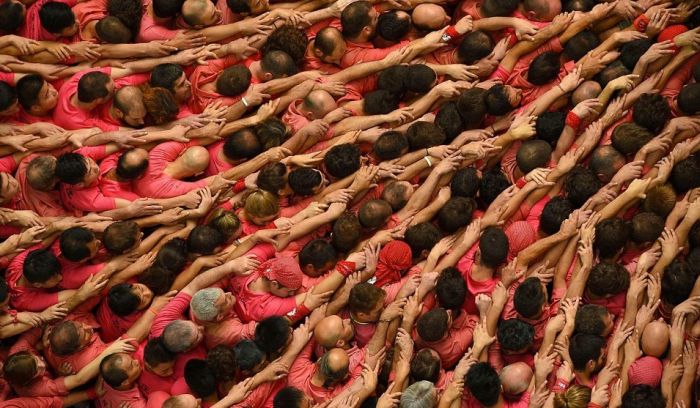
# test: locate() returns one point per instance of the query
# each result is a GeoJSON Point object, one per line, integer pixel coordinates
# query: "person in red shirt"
{"type": "Point", "coordinates": [120, 372]}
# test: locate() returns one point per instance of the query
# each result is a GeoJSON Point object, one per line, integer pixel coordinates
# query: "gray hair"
{"type": "Point", "coordinates": [203, 304]}
{"type": "Point", "coordinates": [178, 336]}
{"type": "Point", "coordinates": [419, 395]}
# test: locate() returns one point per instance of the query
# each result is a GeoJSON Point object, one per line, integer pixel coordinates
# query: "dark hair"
{"type": "Point", "coordinates": [173, 255]}
{"type": "Point", "coordinates": [497, 102]}
{"type": "Point", "coordinates": [474, 46]}
{"type": "Point", "coordinates": [233, 80]}
{"type": "Point", "coordinates": [630, 52]}
{"type": "Point", "coordinates": [248, 354]}
{"type": "Point", "coordinates": [204, 240]}
{"type": "Point", "coordinates": [533, 154]}
{"type": "Point", "coordinates": [448, 119]}
{"type": "Point", "coordinates": [425, 366]}
{"type": "Point", "coordinates": [40, 265]}
{"type": "Point", "coordinates": [433, 324]}
{"type": "Point", "coordinates": [554, 213]}
{"type": "Point", "coordinates": [92, 86]}
{"type": "Point", "coordinates": [28, 88]}
{"type": "Point", "coordinates": [393, 79]}
{"type": "Point", "coordinates": [684, 176]}
{"type": "Point", "coordinates": [529, 297]}
{"type": "Point", "coordinates": [515, 335]}
{"type": "Point", "coordinates": [584, 348]}
{"type": "Point", "coordinates": [455, 214]}
{"type": "Point", "coordinates": [120, 236]}
{"type": "Point", "coordinates": [271, 177]}
{"type": "Point", "coordinates": [374, 213]}
{"type": "Point", "coordinates": [303, 180]}
{"type": "Point", "coordinates": [165, 75]}
{"type": "Point", "coordinates": [580, 185]}
{"type": "Point", "coordinates": [646, 227]}
{"type": "Point", "coordinates": [483, 383]}
{"type": "Point", "coordinates": [364, 297]}
{"type": "Point", "coordinates": [290, 40]}
{"type": "Point", "coordinates": [222, 361]}
{"type": "Point", "coordinates": [158, 279]}
{"type": "Point", "coordinates": [689, 99]}
{"type": "Point", "coordinates": [342, 160]}
{"type": "Point", "coordinates": [472, 107]}
{"type": "Point", "coordinates": [629, 137]}
{"type": "Point", "coordinates": [73, 243]}
{"type": "Point", "coordinates": [651, 111]}
{"type": "Point", "coordinates": [71, 168]}
{"type": "Point", "coordinates": [465, 183]}
{"type": "Point", "coordinates": [421, 237]}
{"type": "Point", "coordinates": [451, 289]}
{"type": "Point", "coordinates": [420, 78]}
{"type": "Point", "coordinates": [109, 371]}
{"type": "Point", "coordinates": [271, 334]}
{"type": "Point", "coordinates": [611, 235]}
{"type": "Point", "coordinates": [677, 282]}
{"type": "Point", "coordinates": [128, 12]}
{"type": "Point", "coordinates": [393, 26]}
{"type": "Point", "coordinates": [493, 247]}
{"type": "Point", "coordinates": [614, 70]}
{"type": "Point", "coordinates": [580, 44]}
{"type": "Point", "coordinates": [421, 135]}
{"type": "Point", "coordinates": [643, 396]}
{"type": "Point", "coordinates": [112, 30]}
{"type": "Point", "coordinates": [578, 5]}
{"type": "Point", "coordinates": [603, 160]}
{"type": "Point", "coordinates": [271, 132]}
{"type": "Point", "coordinates": [493, 182]}
{"type": "Point", "coordinates": [155, 353]}
{"type": "Point", "coordinates": [317, 253]}
{"type": "Point", "coordinates": [346, 232]}
{"type": "Point", "coordinates": [128, 172]}
{"type": "Point", "coordinates": [242, 144]}
{"type": "Point", "coordinates": [549, 126]}
{"type": "Point", "coordinates": [200, 378]}
{"type": "Point", "coordinates": [324, 40]}
{"type": "Point", "coordinates": [694, 235]}
{"type": "Point", "coordinates": [20, 368]}
{"type": "Point", "coordinates": [55, 16]}
{"type": "Point", "coordinates": [160, 104]}
{"type": "Point", "coordinates": [390, 145]}
{"type": "Point", "coordinates": [64, 338]}
{"type": "Point", "coordinates": [279, 64]}
{"type": "Point", "coordinates": [238, 6]}
{"type": "Point", "coordinates": [288, 397]}
{"type": "Point", "coordinates": [11, 16]}
{"type": "Point", "coordinates": [608, 278]}
{"type": "Point", "coordinates": [4, 290]}
{"type": "Point", "coordinates": [354, 18]}
{"type": "Point", "coordinates": [121, 300]}
{"type": "Point", "coordinates": [167, 8]}
{"type": "Point", "coordinates": [498, 8]}
{"type": "Point", "coordinates": [544, 68]}
{"type": "Point", "coordinates": [589, 319]}
{"type": "Point", "coordinates": [380, 102]}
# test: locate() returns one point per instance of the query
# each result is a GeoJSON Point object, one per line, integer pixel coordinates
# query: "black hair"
{"type": "Point", "coordinates": [342, 160]}
{"type": "Point", "coordinates": [73, 243]}
{"type": "Point", "coordinates": [11, 16]}
{"type": "Point", "coordinates": [684, 176]}
{"type": "Point", "coordinates": [498, 8]}
{"type": "Point", "coordinates": [483, 383]}
{"type": "Point", "coordinates": [421, 237]}
{"type": "Point", "coordinates": [689, 99]}
{"type": "Point", "coordinates": [272, 333]}
{"type": "Point", "coordinates": [421, 135]}
{"type": "Point", "coordinates": [8, 96]}
{"type": "Point", "coordinates": [110, 373]}
{"type": "Point", "coordinates": [455, 214]}
{"type": "Point", "coordinates": [425, 366]}
{"type": "Point", "coordinates": [222, 362]}
{"type": "Point", "coordinates": [677, 282]}
{"type": "Point", "coordinates": [279, 64]}
{"type": "Point", "coordinates": [472, 107]}
{"type": "Point", "coordinates": [4, 290]}
{"type": "Point", "coordinates": [200, 378]}
{"type": "Point", "coordinates": [497, 102]}
{"type": "Point", "coordinates": [584, 348]}
{"type": "Point", "coordinates": [289, 39]}
{"type": "Point", "coordinates": [390, 145]}
{"type": "Point", "coordinates": [165, 75]}
{"type": "Point", "coordinates": [433, 325]}
{"type": "Point", "coordinates": [515, 334]}
{"type": "Point", "coordinates": [346, 233]}
{"type": "Point", "coordinates": [155, 353]}
{"type": "Point", "coordinates": [393, 26]}
{"type": "Point", "coordinates": [248, 354]}
{"type": "Point", "coordinates": [324, 40]}
{"type": "Point", "coordinates": [465, 183]}
{"type": "Point", "coordinates": [580, 185]}
{"type": "Point", "coordinates": [288, 397]}
{"type": "Point", "coordinates": [233, 80]}
{"type": "Point", "coordinates": [646, 227]}
{"type": "Point", "coordinates": [643, 396]}
{"type": "Point", "coordinates": [239, 6]}
{"type": "Point", "coordinates": [173, 255]}
{"type": "Point", "coordinates": [493, 247]}
{"type": "Point", "coordinates": [242, 144]}
{"type": "Point", "coordinates": [92, 86]}
{"type": "Point", "coordinates": [493, 182]}
{"type": "Point", "coordinates": [271, 132]}
{"type": "Point", "coordinates": [451, 289]}
{"type": "Point", "coordinates": [608, 278]}
{"type": "Point", "coordinates": [549, 126]}
{"type": "Point", "coordinates": [448, 119]}
{"type": "Point", "coordinates": [272, 177]}
{"type": "Point", "coordinates": [354, 18]}
{"type": "Point", "coordinates": [554, 213]}
{"type": "Point", "coordinates": [380, 102]}
{"type": "Point", "coordinates": [130, 172]}
{"type": "Point", "coordinates": [317, 253]}
{"type": "Point", "coordinates": [533, 154]}
{"type": "Point", "coordinates": [630, 52]}
{"type": "Point", "coordinates": [56, 17]}
{"type": "Point", "coordinates": [589, 319]}
{"type": "Point", "coordinates": [40, 265]}
{"type": "Point", "coordinates": [544, 68]}
{"type": "Point", "coordinates": [128, 12]}
{"type": "Point", "coordinates": [474, 46]}
{"type": "Point", "coordinates": [580, 44]}
{"type": "Point", "coordinates": [393, 79]}
{"type": "Point", "coordinates": [420, 78]}
{"type": "Point", "coordinates": [374, 213]}
{"type": "Point", "coordinates": [611, 236]}
{"type": "Point", "coordinates": [71, 168]}
{"type": "Point", "coordinates": [303, 180]}
{"type": "Point", "coordinates": [28, 88]}
{"type": "Point", "coordinates": [651, 111]}
{"type": "Point", "coordinates": [121, 300]}
{"type": "Point", "coordinates": [204, 240]}
{"type": "Point", "coordinates": [167, 8]}
{"type": "Point", "coordinates": [529, 297]}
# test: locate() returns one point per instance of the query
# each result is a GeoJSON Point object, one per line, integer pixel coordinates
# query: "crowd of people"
{"type": "Point", "coordinates": [349, 204]}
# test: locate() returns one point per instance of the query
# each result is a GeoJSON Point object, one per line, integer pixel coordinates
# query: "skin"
{"type": "Point", "coordinates": [431, 16]}
{"type": "Point", "coordinates": [182, 89]}
{"type": "Point", "coordinates": [9, 187]}
{"type": "Point", "coordinates": [515, 378]}
{"type": "Point", "coordinates": [655, 338]}
{"type": "Point", "coordinates": [321, 103]}
{"type": "Point", "coordinates": [46, 100]}
{"type": "Point", "coordinates": [333, 331]}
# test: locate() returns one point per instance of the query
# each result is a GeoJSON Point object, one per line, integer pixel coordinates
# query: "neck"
{"type": "Point", "coordinates": [583, 377]}
{"type": "Point", "coordinates": [256, 70]}
{"type": "Point", "coordinates": [88, 106]}
{"type": "Point", "coordinates": [176, 171]}
{"type": "Point", "coordinates": [317, 379]}
{"type": "Point", "coordinates": [498, 403]}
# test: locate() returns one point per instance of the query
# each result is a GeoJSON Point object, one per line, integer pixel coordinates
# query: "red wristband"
{"type": "Point", "coordinates": [521, 182]}
{"type": "Point", "coordinates": [453, 34]}
{"type": "Point", "coordinates": [641, 23]}
{"type": "Point", "coordinates": [646, 168]}
{"type": "Point", "coordinates": [298, 313]}
{"type": "Point", "coordinates": [573, 121]}
{"type": "Point", "coordinates": [239, 186]}
{"type": "Point", "coordinates": [345, 268]}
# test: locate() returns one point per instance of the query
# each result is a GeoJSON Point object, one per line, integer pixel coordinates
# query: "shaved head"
{"type": "Point", "coordinates": [429, 17]}
{"type": "Point", "coordinates": [328, 331]}
{"type": "Point", "coordinates": [195, 159]}
{"type": "Point", "coordinates": [655, 338]}
{"type": "Point", "coordinates": [587, 90]}
{"type": "Point", "coordinates": [515, 378]}
{"type": "Point", "coordinates": [318, 103]}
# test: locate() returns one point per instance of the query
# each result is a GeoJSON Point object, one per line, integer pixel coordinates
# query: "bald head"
{"type": "Point", "coordinates": [328, 331]}
{"type": "Point", "coordinates": [195, 159]}
{"type": "Point", "coordinates": [587, 90]}
{"type": "Point", "coordinates": [129, 101]}
{"type": "Point", "coordinates": [429, 17]}
{"type": "Point", "coordinates": [655, 339]}
{"type": "Point", "coordinates": [337, 359]}
{"type": "Point", "coordinates": [605, 162]}
{"type": "Point", "coordinates": [193, 10]}
{"type": "Point", "coordinates": [317, 104]}
{"type": "Point", "coordinates": [515, 378]}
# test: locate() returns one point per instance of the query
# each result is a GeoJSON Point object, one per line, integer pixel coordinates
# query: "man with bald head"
{"type": "Point", "coordinates": [515, 379]}
{"type": "Point", "coordinates": [655, 338]}
{"type": "Point", "coordinates": [325, 50]}
{"type": "Point", "coordinates": [127, 108]}
{"type": "Point", "coordinates": [316, 105]}
{"type": "Point", "coordinates": [326, 378]}
{"type": "Point", "coordinates": [200, 13]}
{"type": "Point", "coordinates": [587, 90]}
{"type": "Point", "coordinates": [430, 17]}
{"type": "Point", "coordinates": [605, 162]}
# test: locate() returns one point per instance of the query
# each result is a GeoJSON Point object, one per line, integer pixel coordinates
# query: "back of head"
{"type": "Point", "coordinates": [364, 297]}
{"type": "Point", "coordinates": [643, 396]}
{"type": "Point", "coordinates": [393, 79]}
{"type": "Point", "coordinates": [380, 102]}
{"type": "Point", "coordinates": [248, 355]}
{"type": "Point", "coordinates": [393, 25]}
{"type": "Point", "coordinates": [242, 144]}
{"type": "Point", "coordinates": [239, 6]}
{"type": "Point", "coordinates": [544, 68]}
{"type": "Point", "coordinates": [93, 86]}
{"type": "Point", "coordinates": [221, 359]}
{"type": "Point", "coordinates": [288, 397]}
{"type": "Point", "coordinates": [8, 96]}
{"type": "Point", "coordinates": [689, 99]}
{"type": "Point", "coordinates": [651, 111]}
{"type": "Point", "coordinates": [165, 75]}
{"type": "Point", "coordinates": [272, 177]}
{"type": "Point", "coordinates": [200, 378]}
{"type": "Point", "coordinates": [421, 78]}
{"type": "Point", "coordinates": [203, 240]}
{"type": "Point", "coordinates": [493, 247]}
{"type": "Point", "coordinates": [354, 18]}
{"type": "Point", "coordinates": [608, 278]}
{"type": "Point", "coordinates": [554, 213]}
{"type": "Point", "coordinates": [497, 101]}
{"type": "Point", "coordinates": [590, 320]}
{"type": "Point", "coordinates": [629, 137]}
{"type": "Point", "coordinates": [515, 335]}
{"type": "Point", "coordinates": [279, 64]}
{"type": "Point", "coordinates": [465, 183]}
{"type": "Point", "coordinates": [580, 185]}
{"type": "Point", "coordinates": [498, 8]}
{"type": "Point", "coordinates": [19, 369]}
{"type": "Point", "coordinates": [584, 348]}
{"type": "Point", "coordinates": [40, 265]}
{"type": "Point", "coordinates": [449, 121]}
{"type": "Point", "coordinates": [604, 161]}
{"type": "Point", "coordinates": [533, 154]}
{"type": "Point", "coordinates": [110, 371]}
{"type": "Point", "coordinates": [64, 338]}
{"type": "Point", "coordinates": [614, 70]}
{"type": "Point", "coordinates": [587, 90]}
{"type": "Point", "coordinates": [129, 13]}
{"type": "Point", "coordinates": [455, 214]}
{"type": "Point", "coordinates": [390, 145]}
{"type": "Point", "coordinates": [425, 366]}
{"type": "Point", "coordinates": [422, 238]}
{"type": "Point", "coordinates": [303, 180]}
{"type": "Point", "coordinates": [611, 236]}
{"type": "Point", "coordinates": [317, 253]}
{"type": "Point", "coordinates": [684, 175]}
{"type": "Point", "coordinates": [677, 282]}
{"type": "Point", "coordinates": [421, 394]}
{"type": "Point", "coordinates": [41, 173]}
{"type": "Point", "coordinates": [529, 297]}
{"type": "Point", "coordinates": [631, 52]}
{"type": "Point", "coordinates": [578, 5]}
{"type": "Point", "coordinates": [646, 227]}
{"type": "Point", "coordinates": [160, 104]}
{"type": "Point", "coordinates": [549, 126]}
{"type": "Point", "coordinates": [155, 353]}
{"type": "Point", "coordinates": [290, 40]}
{"type": "Point", "coordinates": [580, 44]}
{"type": "Point", "coordinates": [483, 383]}
{"type": "Point", "coordinates": [122, 300]}
{"type": "Point", "coordinates": [451, 289]}
{"type": "Point", "coordinates": [11, 15]}
{"type": "Point", "coordinates": [342, 160]}
{"type": "Point", "coordinates": [27, 89]}
{"type": "Point", "coordinates": [112, 30]}
{"type": "Point", "coordinates": [272, 333]}
{"type": "Point", "coordinates": [56, 17]}
{"type": "Point", "coordinates": [167, 8]}
{"type": "Point", "coordinates": [422, 135]}
{"type": "Point", "coordinates": [515, 378]}
{"type": "Point", "coordinates": [203, 304]}
{"type": "Point", "coordinates": [374, 213]}
{"type": "Point", "coordinates": [120, 236]}
{"type": "Point", "coordinates": [132, 163]}
{"type": "Point", "coordinates": [433, 325]}
{"type": "Point", "coordinates": [493, 182]}
{"type": "Point", "coordinates": [233, 80]}
{"type": "Point", "coordinates": [226, 222]}
{"type": "Point", "coordinates": [179, 336]}
{"type": "Point", "coordinates": [327, 39]}
{"type": "Point", "coordinates": [576, 396]}
{"type": "Point", "coordinates": [261, 204]}
{"type": "Point", "coordinates": [474, 46]}
{"type": "Point", "coordinates": [472, 107]}
{"type": "Point", "coordinates": [272, 132]}
{"type": "Point", "coordinates": [346, 232]}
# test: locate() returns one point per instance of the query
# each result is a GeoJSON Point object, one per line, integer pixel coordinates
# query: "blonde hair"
{"type": "Point", "coordinates": [226, 222]}
{"type": "Point", "coordinates": [660, 200]}
{"type": "Point", "coordinates": [261, 204]}
{"type": "Point", "coordinates": [577, 396]}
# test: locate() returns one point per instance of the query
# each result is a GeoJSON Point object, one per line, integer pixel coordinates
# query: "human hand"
{"type": "Point", "coordinates": [92, 286]}
{"type": "Point", "coordinates": [244, 265]}
{"type": "Point", "coordinates": [143, 207]}
{"type": "Point", "coordinates": [121, 345]}
{"type": "Point", "coordinates": [659, 20]}
{"type": "Point", "coordinates": [187, 39]}
{"type": "Point", "coordinates": [587, 108]}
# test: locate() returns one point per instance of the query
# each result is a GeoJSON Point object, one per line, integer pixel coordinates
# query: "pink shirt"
{"type": "Point", "coordinates": [150, 30]}
{"type": "Point", "coordinates": [33, 402]}
{"type": "Point", "coordinates": [71, 117]}
{"type": "Point", "coordinates": [229, 332]}
{"type": "Point", "coordinates": [27, 298]}
{"type": "Point", "coordinates": [365, 52]}
{"type": "Point", "coordinates": [256, 306]}
{"type": "Point", "coordinates": [150, 383]}
{"type": "Point", "coordinates": [113, 326]}
{"type": "Point", "coordinates": [216, 163]}
{"type": "Point", "coordinates": [44, 386]}
{"type": "Point", "coordinates": [88, 11]}
{"type": "Point", "coordinates": [206, 74]}
{"type": "Point", "coordinates": [114, 188]}
{"type": "Point", "coordinates": [156, 184]}
{"type": "Point", "coordinates": [74, 273]}
{"type": "Point", "coordinates": [301, 372]}
{"type": "Point", "coordinates": [82, 357]}
{"type": "Point", "coordinates": [456, 342]}
{"type": "Point", "coordinates": [113, 398]}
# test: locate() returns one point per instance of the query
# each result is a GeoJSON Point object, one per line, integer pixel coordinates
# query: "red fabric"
{"type": "Point", "coordinates": [285, 271]}
{"type": "Point", "coordinates": [394, 258]}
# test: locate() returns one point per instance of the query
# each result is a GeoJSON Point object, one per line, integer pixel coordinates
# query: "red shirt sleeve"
{"type": "Point", "coordinates": [175, 309]}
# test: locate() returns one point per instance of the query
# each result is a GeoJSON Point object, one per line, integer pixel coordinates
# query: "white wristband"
{"type": "Point", "coordinates": [245, 103]}
{"type": "Point", "coordinates": [428, 160]}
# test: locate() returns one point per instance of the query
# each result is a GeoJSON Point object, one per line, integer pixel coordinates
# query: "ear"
{"type": "Point", "coordinates": [590, 365]}
{"type": "Point", "coordinates": [532, 16]}
{"type": "Point", "coordinates": [309, 116]}
{"type": "Point", "coordinates": [340, 343]}
{"type": "Point", "coordinates": [267, 76]}
{"type": "Point", "coordinates": [318, 54]}
{"type": "Point", "coordinates": [367, 30]}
